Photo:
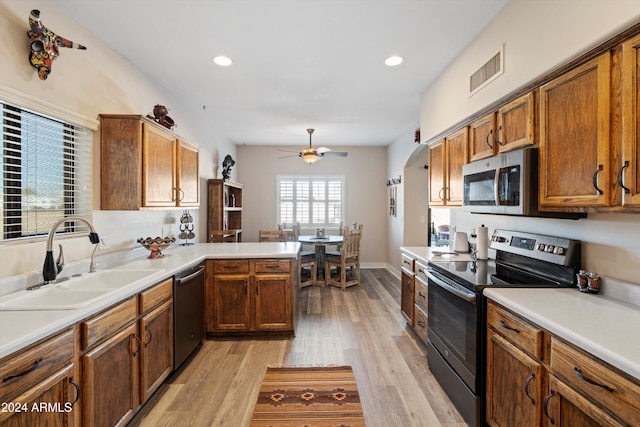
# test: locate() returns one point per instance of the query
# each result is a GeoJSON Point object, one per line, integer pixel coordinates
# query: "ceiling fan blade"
{"type": "Point", "coordinates": [292, 155]}
{"type": "Point", "coordinates": [321, 150]}
{"type": "Point", "coordinates": [335, 153]}
{"type": "Point", "coordinates": [289, 151]}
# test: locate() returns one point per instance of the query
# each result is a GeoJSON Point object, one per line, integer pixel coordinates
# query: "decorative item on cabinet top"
{"type": "Point", "coordinates": [226, 168]}
{"type": "Point", "coordinates": [160, 115]}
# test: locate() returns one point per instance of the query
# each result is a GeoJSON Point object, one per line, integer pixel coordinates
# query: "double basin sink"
{"type": "Point", "coordinates": [75, 292]}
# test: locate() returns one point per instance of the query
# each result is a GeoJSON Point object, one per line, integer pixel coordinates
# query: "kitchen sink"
{"type": "Point", "coordinates": [74, 292]}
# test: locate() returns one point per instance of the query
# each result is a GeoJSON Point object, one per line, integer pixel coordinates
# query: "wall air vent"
{"type": "Point", "coordinates": [488, 72]}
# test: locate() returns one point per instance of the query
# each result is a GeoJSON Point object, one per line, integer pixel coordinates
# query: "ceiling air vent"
{"type": "Point", "coordinates": [488, 72]}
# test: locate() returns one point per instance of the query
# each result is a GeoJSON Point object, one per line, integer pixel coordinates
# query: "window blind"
{"type": "Point", "coordinates": [46, 166]}
{"type": "Point", "coordinates": [312, 201]}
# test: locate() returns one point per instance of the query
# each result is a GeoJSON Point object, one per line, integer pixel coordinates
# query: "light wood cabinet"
{"type": "Point", "coordinates": [407, 278]}
{"type": "Point", "coordinates": [482, 138]}
{"type": "Point", "coordinates": [110, 379]}
{"type": "Point", "coordinates": [127, 354]}
{"type": "Point", "coordinates": [39, 387]}
{"type": "Point", "coordinates": [144, 165]}
{"type": "Point", "coordinates": [575, 158]}
{"type": "Point", "coordinates": [628, 169]}
{"type": "Point", "coordinates": [536, 379]}
{"type": "Point", "coordinates": [156, 336]}
{"type": "Point", "coordinates": [516, 123]}
{"type": "Point", "coordinates": [224, 206]}
{"type": "Point", "coordinates": [250, 296]}
{"type": "Point", "coordinates": [514, 385]}
{"type": "Point", "coordinates": [445, 169]}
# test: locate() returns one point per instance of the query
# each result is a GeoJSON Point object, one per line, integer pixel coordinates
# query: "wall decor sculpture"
{"type": "Point", "coordinates": [226, 166]}
{"type": "Point", "coordinates": [44, 45]}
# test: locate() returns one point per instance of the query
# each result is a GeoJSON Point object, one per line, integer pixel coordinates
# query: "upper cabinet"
{"type": "Point", "coordinates": [482, 140]}
{"type": "Point", "coordinates": [144, 165]}
{"type": "Point", "coordinates": [628, 169]}
{"type": "Point", "coordinates": [512, 126]}
{"type": "Point", "coordinates": [516, 124]}
{"type": "Point", "coordinates": [445, 169]}
{"type": "Point", "coordinates": [574, 138]}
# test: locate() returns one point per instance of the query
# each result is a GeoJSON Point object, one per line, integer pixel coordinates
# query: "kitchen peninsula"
{"type": "Point", "coordinates": [19, 329]}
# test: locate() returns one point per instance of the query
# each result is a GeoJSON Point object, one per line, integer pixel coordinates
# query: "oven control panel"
{"type": "Point", "coordinates": [557, 250]}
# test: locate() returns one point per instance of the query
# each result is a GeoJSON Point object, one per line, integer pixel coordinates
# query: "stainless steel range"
{"type": "Point", "coordinates": [456, 345]}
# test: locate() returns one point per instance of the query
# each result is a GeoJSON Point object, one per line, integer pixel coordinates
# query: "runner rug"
{"type": "Point", "coordinates": [314, 396]}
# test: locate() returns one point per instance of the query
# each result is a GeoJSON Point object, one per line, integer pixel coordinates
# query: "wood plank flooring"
{"type": "Point", "coordinates": [361, 327]}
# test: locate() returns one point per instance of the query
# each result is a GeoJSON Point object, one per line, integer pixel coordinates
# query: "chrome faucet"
{"type": "Point", "coordinates": [50, 269]}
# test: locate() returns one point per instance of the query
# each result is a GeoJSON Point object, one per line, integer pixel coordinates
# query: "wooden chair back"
{"type": "Point", "coordinates": [291, 230]}
{"type": "Point", "coordinates": [272, 236]}
{"type": "Point", "coordinates": [223, 236]}
{"type": "Point", "coordinates": [351, 242]}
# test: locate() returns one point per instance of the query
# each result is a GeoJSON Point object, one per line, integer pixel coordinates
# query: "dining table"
{"type": "Point", "coordinates": [320, 244]}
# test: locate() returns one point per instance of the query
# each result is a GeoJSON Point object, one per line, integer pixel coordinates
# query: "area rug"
{"type": "Point", "coordinates": [315, 396]}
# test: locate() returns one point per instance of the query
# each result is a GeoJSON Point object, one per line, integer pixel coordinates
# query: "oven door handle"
{"type": "Point", "coordinates": [467, 296]}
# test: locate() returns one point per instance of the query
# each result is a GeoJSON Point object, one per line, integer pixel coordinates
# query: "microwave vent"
{"type": "Point", "coordinates": [488, 72]}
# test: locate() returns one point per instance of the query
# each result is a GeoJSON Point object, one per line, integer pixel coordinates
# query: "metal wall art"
{"type": "Point", "coordinates": [44, 45]}
{"type": "Point", "coordinates": [226, 166]}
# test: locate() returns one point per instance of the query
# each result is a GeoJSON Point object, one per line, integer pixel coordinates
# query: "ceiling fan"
{"type": "Point", "coordinates": [310, 155]}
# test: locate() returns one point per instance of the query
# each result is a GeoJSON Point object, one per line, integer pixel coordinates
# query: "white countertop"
{"type": "Point", "coordinates": [19, 329]}
{"type": "Point", "coordinates": [435, 253]}
{"type": "Point", "coordinates": [607, 328]}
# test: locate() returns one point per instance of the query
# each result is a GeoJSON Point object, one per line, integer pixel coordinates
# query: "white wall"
{"type": "Point", "coordinates": [364, 170]}
{"type": "Point", "coordinates": [87, 83]}
{"type": "Point", "coordinates": [539, 36]}
{"type": "Point", "coordinates": [410, 227]}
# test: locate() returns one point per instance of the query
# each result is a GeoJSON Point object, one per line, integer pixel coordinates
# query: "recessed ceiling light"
{"type": "Point", "coordinates": [223, 61]}
{"type": "Point", "coordinates": [394, 60]}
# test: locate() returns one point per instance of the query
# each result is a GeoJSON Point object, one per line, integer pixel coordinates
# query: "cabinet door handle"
{"type": "Point", "coordinates": [245, 287]}
{"type": "Point", "coordinates": [595, 180]}
{"type": "Point", "coordinates": [77, 391]}
{"type": "Point", "coordinates": [135, 353]}
{"type": "Point", "coordinates": [33, 367]}
{"type": "Point", "coordinates": [498, 135]}
{"type": "Point", "coordinates": [621, 177]}
{"type": "Point", "coordinates": [421, 324]}
{"type": "Point", "coordinates": [440, 194]}
{"type": "Point", "coordinates": [146, 329]}
{"type": "Point", "coordinates": [174, 194]}
{"type": "Point", "coordinates": [487, 140]}
{"type": "Point", "coordinates": [526, 388]}
{"type": "Point", "coordinates": [546, 406]}
{"type": "Point", "coordinates": [504, 325]}
{"type": "Point", "coordinates": [580, 375]}
{"type": "Point", "coordinates": [257, 287]}
{"type": "Point", "coordinates": [421, 295]}
{"type": "Point", "coordinates": [181, 194]}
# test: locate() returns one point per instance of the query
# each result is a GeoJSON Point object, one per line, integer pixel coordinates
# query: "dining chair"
{"type": "Point", "coordinates": [272, 236]}
{"type": "Point", "coordinates": [308, 265]}
{"type": "Point", "coordinates": [348, 257]}
{"type": "Point", "coordinates": [292, 231]}
{"type": "Point", "coordinates": [223, 236]}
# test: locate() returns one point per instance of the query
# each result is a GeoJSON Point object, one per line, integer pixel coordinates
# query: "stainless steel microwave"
{"type": "Point", "coordinates": [505, 184]}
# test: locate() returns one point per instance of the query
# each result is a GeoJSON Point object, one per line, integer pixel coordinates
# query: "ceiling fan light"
{"type": "Point", "coordinates": [393, 60]}
{"type": "Point", "coordinates": [309, 157]}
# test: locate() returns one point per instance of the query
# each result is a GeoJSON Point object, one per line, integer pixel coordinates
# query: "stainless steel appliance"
{"type": "Point", "coordinates": [188, 313]}
{"type": "Point", "coordinates": [505, 184]}
{"type": "Point", "coordinates": [456, 346]}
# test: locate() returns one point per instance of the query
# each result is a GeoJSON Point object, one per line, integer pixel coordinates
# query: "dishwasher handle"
{"type": "Point", "coordinates": [180, 279]}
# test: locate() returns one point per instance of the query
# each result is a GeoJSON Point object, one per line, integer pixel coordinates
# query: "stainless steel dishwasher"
{"type": "Point", "coordinates": [188, 313]}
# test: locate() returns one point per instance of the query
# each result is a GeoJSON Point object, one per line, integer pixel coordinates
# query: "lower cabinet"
{"type": "Point", "coordinates": [250, 296]}
{"type": "Point", "coordinates": [110, 379]}
{"type": "Point", "coordinates": [514, 385]}
{"type": "Point", "coordinates": [38, 385]}
{"type": "Point", "coordinates": [127, 352]}
{"type": "Point", "coordinates": [536, 379]}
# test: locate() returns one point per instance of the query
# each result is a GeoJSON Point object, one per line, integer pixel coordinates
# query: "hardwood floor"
{"type": "Point", "coordinates": [361, 327]}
